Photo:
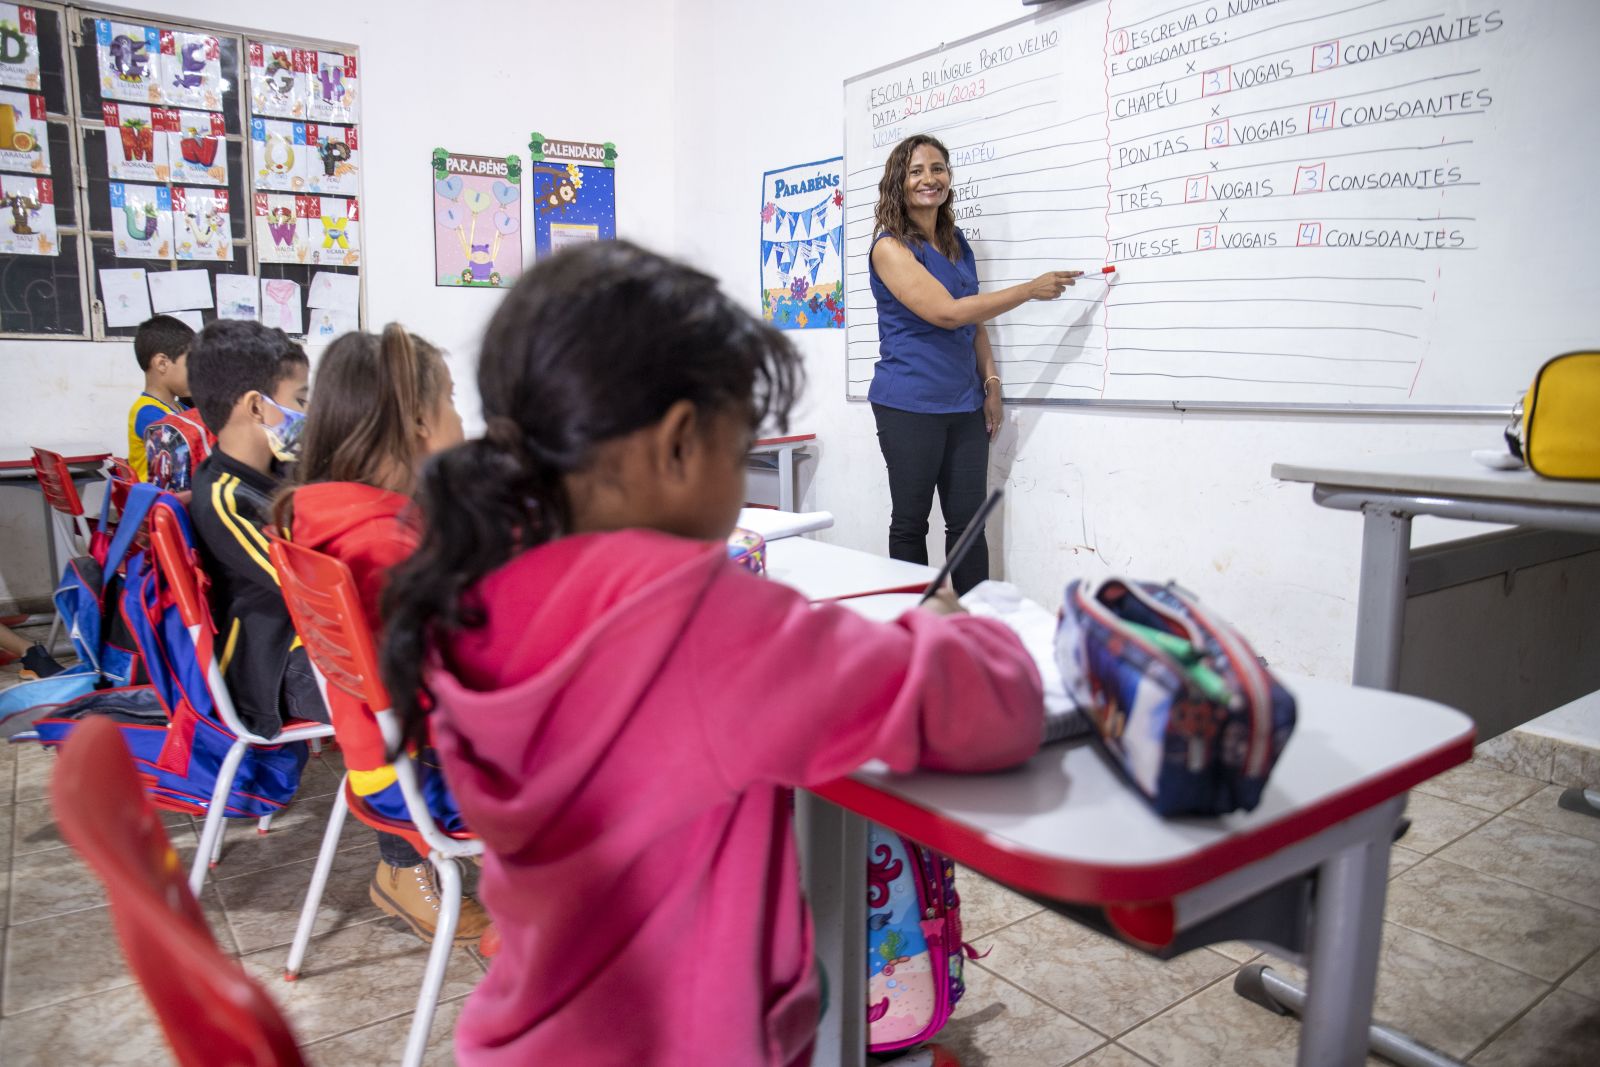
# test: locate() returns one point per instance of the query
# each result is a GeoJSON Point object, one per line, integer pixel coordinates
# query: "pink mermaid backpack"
{"type": "Point", "coordinates": [914, 947]}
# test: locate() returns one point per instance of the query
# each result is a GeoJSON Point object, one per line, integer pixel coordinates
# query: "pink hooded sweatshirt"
{"type": "Point", "coordinates": [622, 732]}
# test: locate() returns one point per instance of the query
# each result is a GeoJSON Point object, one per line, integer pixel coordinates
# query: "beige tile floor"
{"type": "Point", "coordinates": [1491, 952]}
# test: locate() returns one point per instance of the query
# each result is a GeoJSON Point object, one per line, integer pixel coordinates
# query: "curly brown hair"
{"type": "Point", "coordinates": [892, 216]}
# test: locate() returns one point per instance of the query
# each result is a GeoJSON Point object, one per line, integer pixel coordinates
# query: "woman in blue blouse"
{"type": "Point", "coordinates": [935, 393]}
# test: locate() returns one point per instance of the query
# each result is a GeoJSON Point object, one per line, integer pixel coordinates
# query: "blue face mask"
{"type": "Point", "coordinates": [284, 438]}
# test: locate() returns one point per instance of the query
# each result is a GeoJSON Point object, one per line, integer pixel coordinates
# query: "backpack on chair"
{"type": "Point", "coordinates": [180, 751]}
{"type": "Point", "coordinates": [174, 447]}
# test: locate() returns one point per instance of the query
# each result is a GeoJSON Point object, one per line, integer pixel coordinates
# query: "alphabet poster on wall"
{"type": "Point", "coordinates": [191, 69]}
{"type": "Point", "coordinates": [333, 160]}
{"type": "Point", "coordinates": [195, 147]}
{"type": "Point", "coordinates": [802, 246]}
{"type": "Point", "coordinates": [477, 220]}
{"type": "Point", "coordinates": [200, 223]}
{"type": "Point", "coordinates": [130, 61]}
{"type": "Point", "coordinates": [136, 142]}
{"type": "Point", "coordinates": [19, 47]}
{"type": "Point", "coordinates": [574, 193]}
{"type": "Point", "coordinates": [27, 216]}
{"type": "Point", "coordinates": [141, 219]}
{"type": "Point", "coordinates": [24, 141]}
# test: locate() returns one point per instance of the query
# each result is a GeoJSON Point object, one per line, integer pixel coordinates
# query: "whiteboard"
{"type": "Point", "coordinates": [1351, 204]}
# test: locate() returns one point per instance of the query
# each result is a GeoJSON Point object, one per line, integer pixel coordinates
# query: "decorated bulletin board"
{"type": "Point", "coordinates": [477, 220]}
{"type": "Point", "coordinates": [802, 246]}
{"type": "Point", "coordinates": [574, 193]}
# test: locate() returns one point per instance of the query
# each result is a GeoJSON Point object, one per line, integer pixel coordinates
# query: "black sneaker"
{"type": "Point", "coordinates": [37, 662]}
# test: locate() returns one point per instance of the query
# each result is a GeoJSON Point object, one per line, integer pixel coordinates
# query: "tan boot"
{"type": "Point", "coordinates": [411, 895]}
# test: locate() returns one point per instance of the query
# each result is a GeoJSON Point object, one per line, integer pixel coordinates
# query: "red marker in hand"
{"type": "Point", "coordinates": [1104, 275]}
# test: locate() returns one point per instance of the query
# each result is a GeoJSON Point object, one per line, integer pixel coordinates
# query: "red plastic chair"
{"type": "Point", "coordinates": [210, 1009]}
{"type": "Point", "coordinates": [326, 609]}
{"type": "Point", "coordinates": [66, 509]}
{"type": "Point", "coordinates": [181, 568]}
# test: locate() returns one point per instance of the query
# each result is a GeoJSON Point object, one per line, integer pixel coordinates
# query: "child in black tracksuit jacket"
{"type": "Point", "coordinates": [250, 384]}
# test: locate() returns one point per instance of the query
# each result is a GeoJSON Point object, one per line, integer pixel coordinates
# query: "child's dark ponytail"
{"type": "Point", "coordinates": [591, 345]}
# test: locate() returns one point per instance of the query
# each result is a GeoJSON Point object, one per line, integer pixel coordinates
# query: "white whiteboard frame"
{"type": "Point", "coordinates": [1180, 407]}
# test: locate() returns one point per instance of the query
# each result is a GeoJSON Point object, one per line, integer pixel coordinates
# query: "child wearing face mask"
{"type": "Point", "coordinates": [250, 383]}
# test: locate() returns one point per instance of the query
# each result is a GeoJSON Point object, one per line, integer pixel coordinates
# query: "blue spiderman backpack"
{"type": "Point", "coordinates": [914, 947]}
{"type": "Point", "coordinates": [179, 753]}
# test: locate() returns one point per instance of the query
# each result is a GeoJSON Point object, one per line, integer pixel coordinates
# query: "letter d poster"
{"type": "Point", "coordinates": [802, 246]}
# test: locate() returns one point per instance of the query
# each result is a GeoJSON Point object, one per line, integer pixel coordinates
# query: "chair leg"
{"type": "Point", "coordinates": [316, 747]}
{"type": "Point", "coordinates": [319, 881]}
{"type": "Point", "coordinates": [216, 849]}
{"type": "Point", "coordinates": [263, 824]}
{"type": "Point", "coordinates": [444, 935]}
{"type": "Point", "coordinates": [211, 837]}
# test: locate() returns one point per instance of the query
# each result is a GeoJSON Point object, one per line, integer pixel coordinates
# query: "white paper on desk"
{"type": "Point", "coordinates": [193, 319]}
{"type": "Point", "coordinates": [1036, 627]}
{"type": "Point", "coordinates": [126, 299]}
{"type": "Point", "coordinates": [280, 305]}
{"type": "Point", "coordinates": [179, 290]}
{"type": "Point", "coordinates": [238, 296]}
{"type": "Point", "coordinates": [774, 525]}
{"type": "Point", "coordinates": [342, 292]}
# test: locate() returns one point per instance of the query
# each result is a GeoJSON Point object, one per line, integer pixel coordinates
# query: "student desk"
{"type": "Point", "coordinates": [777, 453]}
{"type": "Point", "coordinates": [833, 572]}
{"type": "Point", "coordinates": [16, 465]}
{"type": "Point", "coordinates": [1067, 831]}
{"type": "Point", "coordinates": [1390, 490]}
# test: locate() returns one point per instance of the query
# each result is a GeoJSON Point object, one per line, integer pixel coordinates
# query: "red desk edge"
{"type": "Point", "coordinates": [1093, 883]}
{"type": "Point", "coordinates": [20, 464]}
{"type": "Point", "coordinates": [768, 441]}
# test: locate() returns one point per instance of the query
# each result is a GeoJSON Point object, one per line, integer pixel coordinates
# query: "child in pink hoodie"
{"type": "Point", "coordinates": [620, 710]}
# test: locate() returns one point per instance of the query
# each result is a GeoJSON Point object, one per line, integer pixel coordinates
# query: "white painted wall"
{"type": "Point", "coordinates": [579, 71]}
{"type": "Point", "coordinates": [1153, 496]}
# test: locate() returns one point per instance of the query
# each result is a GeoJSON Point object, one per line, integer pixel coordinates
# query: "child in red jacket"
{"type": "Point", "coordinates": [620, 709]}
{"type": "Point", "coordinates": [381, 407]}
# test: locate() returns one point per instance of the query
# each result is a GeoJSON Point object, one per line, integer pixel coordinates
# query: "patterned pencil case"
{"type": "Point", "coordinates": [1179, 700]}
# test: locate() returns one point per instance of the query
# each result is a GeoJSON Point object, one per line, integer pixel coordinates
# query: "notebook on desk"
{"type": "Point", "coordinates": [1036, 627]}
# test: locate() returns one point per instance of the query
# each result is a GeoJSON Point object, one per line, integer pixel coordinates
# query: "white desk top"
{"type": "Point", "coordinates": [829, 572]}
{"type": "Point", "coordinates": [1452, 473]}
{"type": "Point", "coordinates": [1066, 822]}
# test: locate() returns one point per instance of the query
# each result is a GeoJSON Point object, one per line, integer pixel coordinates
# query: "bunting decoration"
{"type": "Point", "coordinates": [802, 246]}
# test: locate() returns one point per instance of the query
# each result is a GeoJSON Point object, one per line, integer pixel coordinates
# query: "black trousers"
{"type": "Point", "coordinates": [948, 453]}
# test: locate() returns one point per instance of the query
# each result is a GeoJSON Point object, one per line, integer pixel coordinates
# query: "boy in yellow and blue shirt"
{"type": "Point", "coordinates": [162, 348]}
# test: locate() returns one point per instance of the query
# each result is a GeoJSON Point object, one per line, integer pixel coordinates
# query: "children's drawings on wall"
{"type": "Point", "coordinates": [24, 141]}
{"type": "Point", "coordinates": [27, 216]}
{"type": "Point", "coordinates": [574, 193]}
{"type": "Point", "coordinates": [477, 220]}
{"type": "Point", "coordinates": [141, 221]}
{"type": "Point", "coordinates": [280, 229]}
{"type": "Point", "coordinates": [124, 296]}
{"type": "Point", "coordinates": [238, 296]}
{"type": "Point", "coordinates": [130, 61]}
{"type": "Point", "coordinates": [333, 160]}
{"type": "Point", "coordinates": [19, 47]}
{"type": "Point", "coordinates": [200, 223]}
{"type": "Point", "coordinates": [333, 229]}
{"type": "Point", "coordinates": [331, 88]}
{"type": "Point", "coordinates": [137, 142]}
{"type": "Point", "coordinates": [280, 305]}
{"type": "Point", "coordinates": [197, 152]}
{"type": "Point", "coordinates": [191, 70]}
{"type": "Point", "coordinates": [802, 246]}
{"type": "Point", "coordinates": [278, 81]}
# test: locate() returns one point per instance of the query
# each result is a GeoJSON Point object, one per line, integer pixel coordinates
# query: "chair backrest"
{"type": "Point", "coordinates": [55, 480]}
{"type": "Point", "coordinates": [210, 1009]}
{"type": "Point", "coordinates": [326, 608]}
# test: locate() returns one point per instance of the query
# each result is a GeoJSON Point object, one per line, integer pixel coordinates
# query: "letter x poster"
{"type": "Point", "coordinates": [477, 220]}
{"type": "Point", "coordinates": [802, 246]}
{"type": "Point", "coordinates": [574, 193]}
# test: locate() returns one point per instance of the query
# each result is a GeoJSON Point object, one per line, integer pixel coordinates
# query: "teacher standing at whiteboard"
{"type": "Point", "coordinates": [935, 393]}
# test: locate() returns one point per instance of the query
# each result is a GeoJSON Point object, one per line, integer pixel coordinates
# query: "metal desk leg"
{"type": "Point", "coordinates": [1381, 613]}
{"type": "Point", "coordinates": [1345, 939]}
{"type": "Point", "coordinates": [833, 863]}
{"type": "Point", "coordinates": [786, 479]}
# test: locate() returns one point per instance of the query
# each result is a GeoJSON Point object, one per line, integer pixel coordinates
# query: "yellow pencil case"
{"type": "Point", "coordinates": [1561, 418]}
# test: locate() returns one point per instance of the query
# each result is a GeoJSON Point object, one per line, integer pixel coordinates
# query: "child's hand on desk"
{"type": "Point", "coordinates": [945, 602]}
